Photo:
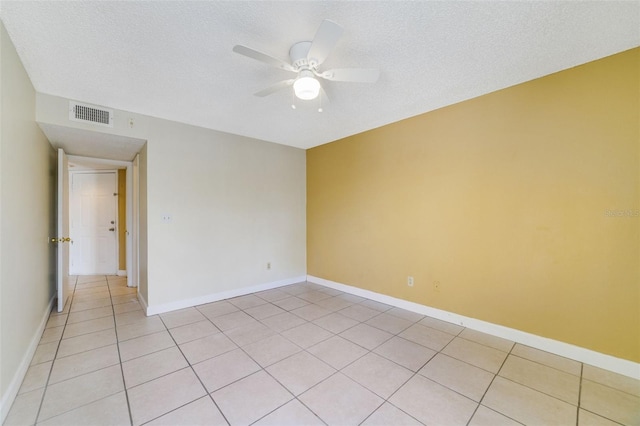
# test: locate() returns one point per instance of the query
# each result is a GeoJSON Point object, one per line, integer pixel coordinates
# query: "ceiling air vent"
{"type": "Point", "coordinates": [90, 114]}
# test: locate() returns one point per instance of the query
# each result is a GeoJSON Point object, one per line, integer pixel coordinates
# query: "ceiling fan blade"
{"type": "Point", "coordinates": [272, 89]}
{"type": "Point", "coordinates": [355, 75]}
{"type": "Point", "coordinates": [324, 41]}
{"type": "Point", "coordinates": [262, 57]}
{"type": "Point", "coordinates": [324, 99]}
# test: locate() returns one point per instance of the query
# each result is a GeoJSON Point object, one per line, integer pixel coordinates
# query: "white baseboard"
{"type": "Point", "coordinates": [587, 356]}
{"type": "Point", "coordinates": [187, 303]}
{"type": "Point", "coordinates": [121, 273]}
{"type": "Point", "coordinates": [16, 381]}
{"type": "Point", "coordinates": [143, 302]}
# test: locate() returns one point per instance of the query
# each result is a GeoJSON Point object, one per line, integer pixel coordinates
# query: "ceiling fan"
{"type": "Point", "coordinates": [306, 57]}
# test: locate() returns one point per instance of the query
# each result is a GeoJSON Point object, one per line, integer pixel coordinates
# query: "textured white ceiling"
{"type": "Point", "coordinates": [86, 143]}
{"type": "Point", "coordinates": [174, 60]}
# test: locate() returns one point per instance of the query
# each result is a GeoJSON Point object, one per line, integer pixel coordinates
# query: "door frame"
{"type": "Point", "coordinates": [131, 240]}
{"type": "Point", "coordinates": [62, 230]}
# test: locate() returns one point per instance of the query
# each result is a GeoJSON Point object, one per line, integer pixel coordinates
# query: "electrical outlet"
{"type": "Point", "coordinates": [167, 218]}
{"type": "Point", "coordinates": [410, 281]}
{"type": "Point", "coordinates": [268, 265]}
{"type": "Point", "coordinates": [436, 286]}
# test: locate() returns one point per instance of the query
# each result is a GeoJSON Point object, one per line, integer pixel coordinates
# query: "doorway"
{"type": "Point", "coordinates": [109, 191]}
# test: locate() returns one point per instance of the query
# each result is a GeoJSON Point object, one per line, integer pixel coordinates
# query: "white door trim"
{"type": "Point", "coordinates": [133, 203]}
{"type": "Point", "coordinates": [131, 215]}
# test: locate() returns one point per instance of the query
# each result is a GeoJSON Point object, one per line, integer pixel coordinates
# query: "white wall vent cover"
{"type": "Point", "coordinates": [90, 114]}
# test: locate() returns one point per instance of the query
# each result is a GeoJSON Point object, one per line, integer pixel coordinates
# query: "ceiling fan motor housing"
{"type": "Point", "coordinates": [298, 54]}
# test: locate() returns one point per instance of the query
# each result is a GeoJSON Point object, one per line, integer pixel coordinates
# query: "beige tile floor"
{"type": "Point", "coordinates": [298, 355]}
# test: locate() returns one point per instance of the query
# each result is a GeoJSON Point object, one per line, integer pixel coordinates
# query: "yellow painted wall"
{"type": "Point", "coordinates": [499, 207]}
{"type": "Point", "coordinates": [122, 219]}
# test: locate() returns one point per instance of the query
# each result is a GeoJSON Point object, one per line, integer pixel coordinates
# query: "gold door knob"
{"type": "Point", "coordinates": [53, 240]}
{"type": "Point", "coordinates": [67, 239]}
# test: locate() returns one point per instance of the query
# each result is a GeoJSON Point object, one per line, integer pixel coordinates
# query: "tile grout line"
{"type": "Point", "coordinates": [548, 366]}
{"type": "Point", "coordinates": [261, 369]}
{"type": "Point", "coordinates": [379, 313]}
{"type": "Point", "coordinates": [509, 353]}
{"type": "Point", "coordinates": [296, 397]}
{"type": "Point", "coordinates": [71, 378]}
{"type": "Point", "coordinates": [149, 353]}
{"type": "Point", "coordinates": [115, 330]}
{"type": "Point", "coordinates": [579, 395]}
{"type": "Point", "coordinates": [55, 355]}
{"type": "Point", "coordinates": [484, 394]}
{"type": "Point", "coordinates": [538, 390]}
{"type": "Point", "coordinates": [610, 387]}
{"type": "Point", "coordinates": [192, 370]}
{"type": "Point", "coordinates": [416, 373]}
{"type": "Point", "coordinates": [302, 350]}
{"type": "Point", "coordinates": [368, 351]}
{"type": "Point", "coordinates": [387, 399]}
{"type": "Point", "coordinates": [582, 379]}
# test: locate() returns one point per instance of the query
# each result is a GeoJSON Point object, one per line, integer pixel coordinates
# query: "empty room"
{"type": "Point", "coordinates": [319, 213]}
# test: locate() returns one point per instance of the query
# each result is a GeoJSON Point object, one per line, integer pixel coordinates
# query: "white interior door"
{"type": "Point", "coordinates": [94, 212]}
{"type": "Point", "coordinates": [63, 240]}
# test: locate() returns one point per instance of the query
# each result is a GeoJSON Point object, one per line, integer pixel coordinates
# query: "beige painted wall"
{"type": "Point", "coordinates": [236, 203]}
{"type": "Point", "coordinates": [27, 171]}
{"type": "Point", "coordinates": [500, 207]}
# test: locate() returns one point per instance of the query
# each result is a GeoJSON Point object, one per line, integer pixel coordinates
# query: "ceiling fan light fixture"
{"type": "Point", "coordinates": [305, 58]}
{"type": "Point", "coordinates": [306, 88]}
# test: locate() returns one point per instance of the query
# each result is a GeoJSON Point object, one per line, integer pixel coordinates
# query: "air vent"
{"type": "Point", "coordinates": [90, 114]}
